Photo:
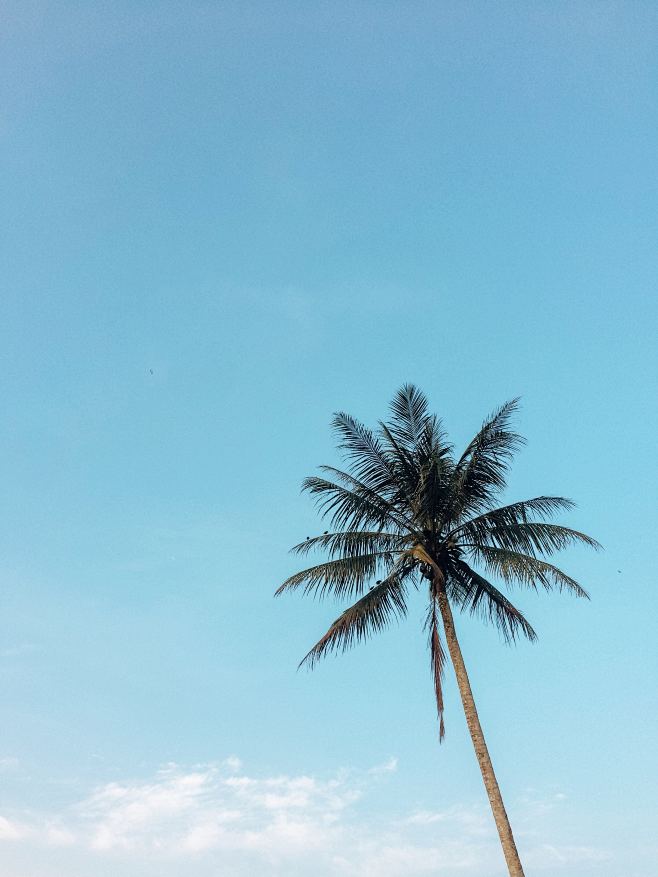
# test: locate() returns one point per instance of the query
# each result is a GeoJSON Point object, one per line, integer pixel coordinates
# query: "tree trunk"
{"type": "Point", "coordinates": [491, 784]}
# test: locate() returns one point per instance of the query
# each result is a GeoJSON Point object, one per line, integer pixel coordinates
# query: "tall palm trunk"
{"type": "Point", "coordinates": [490, 783]}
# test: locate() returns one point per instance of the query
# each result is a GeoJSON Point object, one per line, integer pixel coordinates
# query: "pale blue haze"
{"type": "Point", "coordinates": [221, 222]}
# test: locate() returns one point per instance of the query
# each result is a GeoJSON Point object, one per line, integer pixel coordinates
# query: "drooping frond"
{"type": "Point", "coordinates": [437, 663]}
{"type": "Point", "coordinates": [343, 577]}
{"type": "Point", "coordinates": [353, 543]}
{"type": "Point", "coordinates": [516, 568]}
{"type": "Point", "coordinates": [473, 592]}
{"type": "Point", "coordinates": [371, 614]}
{"type": "Point", "coordinates": [480, 473]}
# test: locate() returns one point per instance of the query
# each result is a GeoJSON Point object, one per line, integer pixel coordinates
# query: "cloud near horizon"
{"type": "Point", "coordinates": [227, 822]}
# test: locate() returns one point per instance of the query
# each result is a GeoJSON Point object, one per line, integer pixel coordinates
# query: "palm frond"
{"type": "Point", "coordinates": [368, 459]}
{"type": "Point", "coordinates": [369, 615]}
{"type": "Point", "coordinates": [434, 491]}
{"type": "Point", "coordinates": [352, 505]}
{"type": "Point", "coordinates": [409, 416]}
{"type": "Point", "coordinates": [480, 473]}
{"type": "Point", "coordinates": [473, 592]}
{"type": "Point", "coordinates": [343, 577]}
{"type": "Point", "coordinates": [406, 467]}
{"type": "Point", "coordinates": [433, 441]}
{"type": "Point", "coordinates": [353, 543]}
{"type": "Point", "coordinates": [516, 568]}
{"type": "Point", "coordinates": [348, 509]}
{"type": "Point", "coordinates": [533, 537]}
{"type": "Point", "coordinates": [437, 664]}
{"type": "Point", "coordinates": [521, 512]}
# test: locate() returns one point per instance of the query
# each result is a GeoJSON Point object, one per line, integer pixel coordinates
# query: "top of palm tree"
{"type": "Point", "coordinates": [406, 510]}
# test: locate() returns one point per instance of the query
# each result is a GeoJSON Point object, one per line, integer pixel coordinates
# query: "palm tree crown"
{"type": "Point", "coordinates": [407, 511]}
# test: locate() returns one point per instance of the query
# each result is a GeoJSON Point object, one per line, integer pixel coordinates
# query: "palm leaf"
{"type": "Point", "coordinates": [368, 459]}
{"type": "Point", "coordinates": [352, 505]}
{"type": "Point", "coordinates": [534, 537]}
{"type": "Point", "coordinates": [406, 467]}
{"type": "Point", "coordinates": [473, 592]}
{"type": "Point", "coordinates": [437, 664]}
{"type": "Point", "coordinates": [516, 568]}
{"type": "Point", "coordinates": [519, 512]}
{"type": "Point", "coordinates": [480, 473]}
{"type": "Point", "coordinates": [409, 416]}
{"type": "Point", "coordinates": [343, 577]}
{"type": "Point", "coordinates": [434, 492]}
{"type": "Point", "coordinates": [353, 543]}
{"type": "Point", "coordinates": [371, 614]}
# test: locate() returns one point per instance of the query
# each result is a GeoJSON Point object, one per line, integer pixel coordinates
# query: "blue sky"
{"type": "Point", "coordinates": [221, 223]}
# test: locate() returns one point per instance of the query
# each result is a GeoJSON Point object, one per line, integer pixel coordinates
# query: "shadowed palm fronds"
{"type": "Point", "coordinates": [404, 510]}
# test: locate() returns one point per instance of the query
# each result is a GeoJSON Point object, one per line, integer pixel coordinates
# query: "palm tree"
{"type": "Point", "coordinates": [407, 511]}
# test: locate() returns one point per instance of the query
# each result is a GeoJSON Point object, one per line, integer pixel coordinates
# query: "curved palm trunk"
{"type": "Point", "coordinates": [491, 784]}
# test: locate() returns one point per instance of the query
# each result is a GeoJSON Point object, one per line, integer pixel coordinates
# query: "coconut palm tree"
{"type": "Point", "coordinates": [407, 513]}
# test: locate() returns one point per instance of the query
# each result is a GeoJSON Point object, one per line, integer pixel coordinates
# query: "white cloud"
{"type": "Point", "coordinates": [549, 856]}
{"type": "Point", "coordinates": [58, 836]}
{"type": "Point", "coordinates": [473, 820]}
{"type": "Point", "coordinates": [389, 766]}
{"type": "Point", "coordinates": [226, 821]}
{"type": "Point", "coordinates": [11, 830]}
{"type": "Point", "coordinates": [232, 763]}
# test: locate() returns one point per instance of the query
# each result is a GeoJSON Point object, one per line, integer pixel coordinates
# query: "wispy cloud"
{"type": "Point", "coordinates": [219, 816]}
{"type": "Point", "coordinates": [12, 830]}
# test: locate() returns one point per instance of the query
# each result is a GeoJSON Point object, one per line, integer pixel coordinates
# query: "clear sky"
{"type": "Point", "coordinates": [221, 222]}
